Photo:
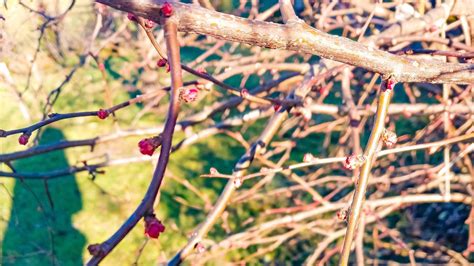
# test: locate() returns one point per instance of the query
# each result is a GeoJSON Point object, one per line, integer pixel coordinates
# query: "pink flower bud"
{"type": "Point", "coordinates": [388, 84]}
{"type": "Point", "coordinates": [353, 161]}
{"type": "Point", "coordinates": [276, 107]}
{"type": "Point", "coordinates": [131, 17]}
{"type": "Point", "coordinates": [244, 93]}
{"type": "Point", "coordinates": [200, 248]}
{"type": "Point", "coordinates": [23, 139]}
{"type": "Point", "coordinates": [153, 227]}
{"type": "Point", "coordinates": [149, 24]}
{"type": "Point", "coordinates": [201, 70]}
{"type": "Point", "coordinates": [102, 114]}
{"type": "Point", "coordinates": [188, 94]}
{"type": "Point", "coordinates": [146, 147]}
{"type": "Point", "coordinates": [389, 138]}
{"type": "Point", "coordinates": [161, 62]}
{"type": "Point", "coordinates": [167, 9]}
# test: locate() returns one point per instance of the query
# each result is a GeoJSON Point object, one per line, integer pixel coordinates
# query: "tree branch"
{"type": "Point", "coordinates": [363, 179]}
{"type": "Point", "coordinates": [298, 36]}
{"type": "Point", "coordinates": [146, 205]}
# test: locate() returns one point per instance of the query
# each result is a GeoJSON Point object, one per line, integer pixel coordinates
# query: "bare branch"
{"type": "Point", "coordinates": [297, 36]}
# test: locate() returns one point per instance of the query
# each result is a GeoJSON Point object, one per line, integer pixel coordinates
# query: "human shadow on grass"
{"type": "Point", "coordinates": [40, 230]}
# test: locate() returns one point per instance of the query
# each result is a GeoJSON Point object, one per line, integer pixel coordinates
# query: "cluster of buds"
{"type": "Point", "coordinates": [149, 145]}
{"type": "Point", "coordinates": [188, 95]}
{"type": "Point", "coordinates": [354, 161]}
{"type": "Point", "coordinates": [23, 139]}
{"type": "Point", "coordinates": [389, 138]}
{"type": "Point", "coordinates": [153, 226]}
{"type": "Point", "coordinates": [102, 113]}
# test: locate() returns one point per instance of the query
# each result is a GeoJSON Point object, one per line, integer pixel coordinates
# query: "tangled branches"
{"type": "Point", "coordinates": [325, 145]}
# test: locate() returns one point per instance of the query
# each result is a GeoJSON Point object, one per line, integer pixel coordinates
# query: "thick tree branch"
{"type": "Point", "coordinates": [297, 36]}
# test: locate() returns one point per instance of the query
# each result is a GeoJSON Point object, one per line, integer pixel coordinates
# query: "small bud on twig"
{"type": "Point", "coordinates": [149, 24]}
{"type": "Point", "coordinates": [200, 248]}
{"type": "Point", "coordinates": [342, 214]}
{"type": "Point", "coordinates": [153, 226]}
{"type": "Point", "coordinates": [167, 9]}
{"type": "Point", "coordinates": [161, 62]}
{"type": "Point", "coordinates": [389, 138]}
{"type": "Point", "coordinates": [213, 171]}
{"type": "Point", "coordinates": [354, 161]}
{"type": "Point", "coordinates": [308, 157]}
{"type": "Point", "coordinates": [149, 145]}
{"type": "Point", "coordinates": [102, 113]}
{"type": "Point", "coordinates": [23, 139]}
{"type": "Point", "coordinates": [244, 93]}
{"type": "Point", "coordinates": [237, 182]}
{"type": "Point", "coordinates": [188, 95]}
{"type": "Point", "coordinates": [132, 17]}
